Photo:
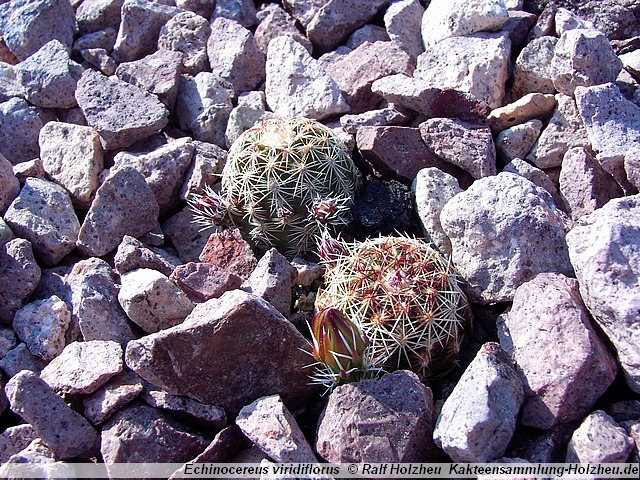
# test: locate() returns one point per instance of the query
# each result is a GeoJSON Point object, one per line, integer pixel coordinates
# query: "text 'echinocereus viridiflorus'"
{"type": "Point", "coordinates": [284, 183]}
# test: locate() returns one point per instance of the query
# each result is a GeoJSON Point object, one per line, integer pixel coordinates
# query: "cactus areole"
{"type": "Point", "coordinates": [405, 297]}
{"type": "Point", "coordinates": [284, 183]}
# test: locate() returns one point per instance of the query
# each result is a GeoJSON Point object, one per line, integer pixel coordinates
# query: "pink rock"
{"type": "Point", "coordinates": [21, 124]}
{"type": "Point", "coordinates": [16, 439]}
{"type": "Point", "coordinates": [229, 251]}
{"type": "Point", "coordinates": [356, 72]}
{"type": "Point", "coordinates": [385, 420]}
{"type": "Point", "coordinates": [272, 280]}
{"type": "Point", "coordinates": [204, 281]}
{"type": "Point", "coordinates": [116, 393]}
{"type": "Point", "coordinates": [64, 431]}
{"type": "Point", "coordinates": [16, 262]}
{"type": "Point", "coordinates": [133, 254]}
{"type": "Point", "coordinates": [9, 184]}
{"type": "Point", "coordinates": [572, 367]}
{"type": "Point", "coordinates": [274, 22]}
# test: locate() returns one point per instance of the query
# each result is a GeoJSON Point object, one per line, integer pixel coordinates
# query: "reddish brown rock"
{"type": "Point", "coordinates": [204, 281]}
{"type": "Point", "coordinates": [228, 352]}
{"type": "Point", "coordinates": [400, 153]}
{"type": "Point", "coordinates": [228, 250]}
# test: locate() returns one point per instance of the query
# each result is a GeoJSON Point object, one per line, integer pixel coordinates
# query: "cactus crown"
{"type": "Point", "coordinates": [285, 181]}
{"type": "Point", "coordinates": [406, 298]}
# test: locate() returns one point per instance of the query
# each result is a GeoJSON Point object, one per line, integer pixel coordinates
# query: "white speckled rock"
{"type": "Point", "coordinates": [41, 325]}
{"type": "Point", "coordinates": [297, 85]}
{"type": "Point", "coordinates": [72, 156]}
{"type": "Point", "coordinates": [529, 107]}
{"type": "Point", "coordinates": [251, 109]}
{"type": "Point", "coordinates": [187, 33]}
{"type": "Point", "coordinates": [271, 426]}
{"type": "Point", "coordinates": [603, 248]}
{"type": "Point", "coordinates": [599, 439]}
{"type": "Point", "coordinates": [432, 189]}
{"type": "Point", "coordinates": [477, 64]}
{"type": "Point", "coordinates": [152, 301]}
{"type": "Point", "coordinates": [454, 18]}
{"type": "Point", "coordinates": [572, 367]}
{"type": "Point", "coordinates": [479, 418]}
{"type": "Point", "coordinates": [9, 184]}
{"type": "Point", "coordinates": [516, 141]}
{"type": "Point", "coordinates": [504, 231]}
{"type": "Point", "coordinates": [532, 72]}
{"type": "Point", "coordinates": [583, 58]}
{"type": "Point", "coordinates": [403, 21]}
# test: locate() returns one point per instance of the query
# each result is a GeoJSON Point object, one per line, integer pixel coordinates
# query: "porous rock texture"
{"type": "Point", "coordinates": [504, 132]}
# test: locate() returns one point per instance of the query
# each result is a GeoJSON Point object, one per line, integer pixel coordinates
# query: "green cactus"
{"type": "Point", "coordinates": [284, 183]}
{"type": "Point", "coordinates": [404, 295]}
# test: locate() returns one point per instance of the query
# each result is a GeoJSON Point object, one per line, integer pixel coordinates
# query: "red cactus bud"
{"type": "Point", "coordinates": [330, 249]}
{"type": "Point", "coordinates": [323, 209]}
{"type": "Point", "coordinates": [338, 343]}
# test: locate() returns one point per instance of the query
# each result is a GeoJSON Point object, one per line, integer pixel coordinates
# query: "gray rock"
{"type": "Point", "coordinates": [516, 141]}
{"type": "Point", "coordinates": [186, 236]}
{"type": "Point", "coordinates": [7, 341]}
{"type": "Point", "coordinates": [304, 10]}
{"type": "Point", "coordinates": [275, 22]}
{"type": "Point", "coordinates": [72, 156]}
{"type": "Point", "coordinates": [234, 55]}
{"type": "Point", "coordinates": [39, 461]}
{"type": "Point", "coordinates": [494, 208]}
{"type": "Point", "coordinates": [83, 367]}
{"type": "Point", "coordinates": [269, 425]}
{"type": "Point", "coordinates": [152, 301]}
{"type": "Point", "coordinates": [104, 39]}
{"type": "Point", "coordinates": [476, 64]}
{"type": "Point", "coordinates": [432, 189]}
{"type": "Point", "coordinates": [194, 358]}
{"type": "Point", "coordinates": [133, 254]}
{"type": "Point", "coordinates": [250, 110]}
{"type": "Point", "coordinates": [116, 393]}
{"type": "Point", "coordinates": [379, 421]}
{"type": "Point", "coordinates": [355, 72]}
{"type": "Point", "coordinates": [49, 76]}
{"type": "Point", "coordinates": [422, 97]}
{"type": "Point", "coordinates": [548, 317]}
{"type": "Point", "coordinates": [334, 21]}
{"type": "Point", "coordinates": [124, 205]}
{"type": "Point", "coordinates": [203, 107]}
{"type": "Point", "coordinates": [367, 33]}
{"type": "Point", "coordinates": [15, 439]}
{"type": "Point", "coordinates": [21, 124]}
{"type": "Point", "coordinates": [94, 304]}
{"type": "Point", "coordinates": [16, 262]}
{"type": "Point", "coordinates": [20, 358]}
{"type": "Point", "coordinates": [466, 145]}
{"type": "Point", "coordinates": [529, 107]}
{"type": "Point", "coordinates": [241, 11]}
{"type": "Point", "coordinates": [447, 18]}
{"type": "Point", "coordinates": [206, 165]}
{"type": "Point", "coordinates": [613, 126]}
{"type": "Point", "coordinates": [532, 72]}
{"type": "Point", "coordinates": [583, 58]}
{"type": "Point", "coordinates": [184, 407]}
{"type": "Point", "coordinates": [94, 15]}
{"type": "Point", "coordinates": [41, 325]}
{"type": "Point", "coordinates": [32, 168]}
{"type": "Point", "coordinates": [564, 131]}
{"type": "Point", "coordinates": [43, 214]}
{"type": "Point", "coordinates": [187, 33]}
{"type": "Point", "coordinates": [26, 25]}
{"type": "Point", "coordinates": [139, 28]}
{"type": "Point", "coordinates": [584, 185]}
{"type": "Point", "coordinates": [296, 84]}
{"type": "Point", "coordinates": [603, 242]}
{"type": "Point", "coordinates": [99, 58]}
{"type": "Point", "coordinates": [272, 280]}
{"type": "Point", "coordinates": [143, 434]}
{"type": "Point", "coordinates": [373, 118]}
{"type": "Point", "coordinates": [632, 165]}
{"type": "Point", "coordinates": [599, 439]}
{"type": "Point", "coordinates": [403, 22]}
{"type": "Point", "coordinates": [157, 73]}
{"type": "Point", "coordinates": [9, 184]}
{"type": "Point", "coordinates": [537, 176]}
{"type": "Point", "coordinates": [120, 112]}
{"type": "Point", "coordinates": [479, 418]}
{"type": "Point", "coordinates": [567, 20]}
{"type": "Point", "coordinates": [5, 233]}
{"type": "Point", "coordinates": [204, 281]}
{"type": "Point", "coordinates": [162, 168]}
{"type": "Point", "coordinates": [9, 85]}
{"type": "Point", "coordinates": [63, 430]}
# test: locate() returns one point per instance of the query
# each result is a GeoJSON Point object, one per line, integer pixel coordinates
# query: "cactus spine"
{"type": "Point", "coordinates": [284, 183]}
{"type": "Point", "coordinates": [406, 298]}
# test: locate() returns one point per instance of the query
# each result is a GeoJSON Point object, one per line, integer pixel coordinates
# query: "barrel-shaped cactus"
{"type": "Point", "coordinates": [285, 181]}
{"type": "Point", "coordinates": [406, 298]}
